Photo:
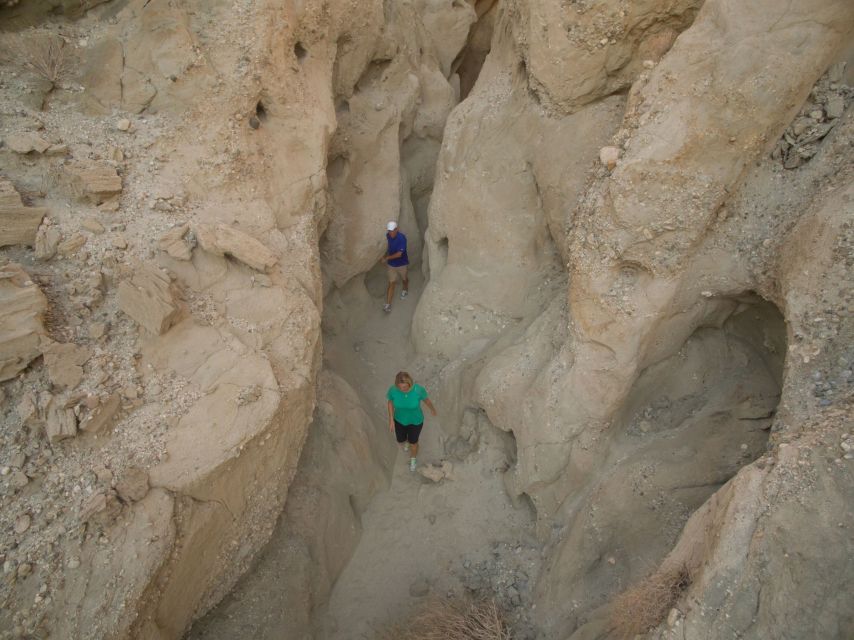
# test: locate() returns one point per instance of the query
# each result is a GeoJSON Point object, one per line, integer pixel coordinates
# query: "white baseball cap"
{"type": "Point", "coordinates": [391, 226]}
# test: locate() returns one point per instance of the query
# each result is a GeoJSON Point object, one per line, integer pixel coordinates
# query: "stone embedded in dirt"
{"type": "Point", "coordinates": [97, 330]}
{"type": "Point", "coordinates": [90, 224]}
{"type": "Point", "coordinates": [22, 523]}
{"type": "Point", "coordinates": [110, 205]}
{"type": "Point", "coordinates": [26, 409]}
{"type": "Point", "coordinates": [61, 423]}
{"type": "Point", "coordinates": [57, 150]}
{"type": "Point", "coordinates": [123, 125]}
{"type": "Point", "coordinates": [70, 245]}
{"type": "Point", "coordinates": [18, 479]}
{"type": "Point", "coordinates": [22, 306]}
{"type": "Point", "coordinates": [94, 181]}
{"type": "Point", "coordinates": [65, 363]}
{"type": "Point", "coordinates": [133, 485]}
{"type": "Point", "coordinates": [47, 242]}
{"type": "Point", "coordinates": [223, 240]}
{"type": "Point", "coordinates": [18, 224]}
{"type": "Point", "coordinates": [120, 242]}
{"type": "Point", "coordinates": [24, 569]}
{"type": "Point", "coordinates": [148, 299]}
{"type": "Point", "coordinates": [609, 156]}
{"type": "Point", "coordinates": [101, 508]}
{"type": "Point", "coordinates": [673, 617]}
{"type": "Point", "coordinates": [102, 415]}
{"type": "Point", "coordinates": [835, 107]}
{"type": "Point", "coordinates": [174, 243]}
{"type": "Point", "coordinates": [24, 143]}
{"type": "Point", "coordinates": [437, 472]}
{"type": "Point", "coordinates": [419, 588]}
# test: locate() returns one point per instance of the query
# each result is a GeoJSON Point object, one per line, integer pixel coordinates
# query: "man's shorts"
{"type": "Point", "coordinates": [407, 432]}
{"type": "Point", "coordinates": [396, 272]}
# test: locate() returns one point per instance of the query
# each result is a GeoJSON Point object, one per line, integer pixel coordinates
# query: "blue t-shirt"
{"type": "Point", "coordinates": [398, 243]}
{"type": "Point", "coordinates": [407, 406]}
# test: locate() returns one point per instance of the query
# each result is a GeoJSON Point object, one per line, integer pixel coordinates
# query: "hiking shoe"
{"type": "Point", "coordinates": [387, 308]}
{"type": "Point", "coordinates": [403, 294]}
{"type": "Point", "coordinates": [412, 465]}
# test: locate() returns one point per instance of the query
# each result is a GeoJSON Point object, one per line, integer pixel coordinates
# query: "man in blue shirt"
{"type": "Point", "coordinates": [396, 262]}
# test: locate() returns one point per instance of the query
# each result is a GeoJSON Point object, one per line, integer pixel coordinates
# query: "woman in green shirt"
{"type": "Point", "coordinates": [405, 417]}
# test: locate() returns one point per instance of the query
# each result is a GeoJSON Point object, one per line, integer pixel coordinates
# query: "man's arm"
{"type": "Point", "coordinates": [391, 256]}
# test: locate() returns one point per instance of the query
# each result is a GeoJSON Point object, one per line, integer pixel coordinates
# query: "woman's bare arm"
{"type": "Point", "coordinates": [390, 415]}
{"type": "Point", "coordinates": [430, 406]}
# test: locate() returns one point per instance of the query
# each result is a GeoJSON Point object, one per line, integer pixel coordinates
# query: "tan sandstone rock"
{"type": "Point", "coordinates": [147, 298]}
{"type": "Point", "coordinates": [223, 240]}
{"type": "Point", "coordinates": [175, 244]}
{"type": "Point", "coordinates": [47, 242]}
{"type": "Point", "coordinates": [102, 416]}
{"type": "Point", "coordinates": [26, 142]}
{"type": "Point", "coordinates": [94, 181]}
{"type": "Point", "coordinates": [133, 485]}
{"type": "Point", "coordinates": [18, 224]}
{"type": "Point", "coordinates": [61, 422]}
{"type": "Point", "coordinates": [65, 363]}
{"type": "Point", "coordinates": [22, 305]}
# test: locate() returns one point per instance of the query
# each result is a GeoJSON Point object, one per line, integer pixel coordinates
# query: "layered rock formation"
{"type": "Point", "coordinates": [636, 228]}
{"type": "Point", "coordinates": [666, 244]}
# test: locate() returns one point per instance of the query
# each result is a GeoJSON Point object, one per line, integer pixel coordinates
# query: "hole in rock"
{"type": "Point", "coordinates": [342, 107]}
{"type": "Point", "coordinates": [443, 249]}
{"type": "Point", "coordinates": [261, 111]}
{"type": "Point", "coordinates": [373, 74]}
{"type": "Point", "coordinates": [300, 52]}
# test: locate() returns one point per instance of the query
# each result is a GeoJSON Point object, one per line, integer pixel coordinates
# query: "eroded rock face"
{"type": "Point", "coordinates": [21, 329]}
{"type": "Point", "coordinates": [391, 114]}
{"type": "Point", "coordinates": [654, 256]}
{"type": "Point", "coordinates": [208, 375]}
{"type": "Point", "coordinates": [18, 224]}
{"type": "Point", "coordinates": [617, 270]}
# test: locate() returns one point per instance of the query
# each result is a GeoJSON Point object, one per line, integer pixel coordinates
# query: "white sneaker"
{"type": "Point", "coordinates": [403, 294]}
{"type": "Point", "coordinates": [412, 464]}
{"type": "Point", "coordinates": [387, 308]}
{"type": "Point", "coordinates": [406, 447]}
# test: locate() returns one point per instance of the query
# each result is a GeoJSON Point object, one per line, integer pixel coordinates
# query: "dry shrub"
{"type": "Point", "coordinates": [647, 604]}
{"type": "Point", "coordinates": [42, 53]}
{"type": "Point", "coordinates": [448, 620]}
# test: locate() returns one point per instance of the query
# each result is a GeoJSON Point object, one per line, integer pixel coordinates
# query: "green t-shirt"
{"type": "Point", "coordinates": [407, 406]}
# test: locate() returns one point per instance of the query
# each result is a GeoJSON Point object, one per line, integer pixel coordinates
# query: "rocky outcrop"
{"type": "Point", "coordinates": [18, 224]}
{"type": "Point", "coordinates": [21, 329]}
{"type": "Point", "coordinates": [342, 466]}
{"type": "Point", "coordinates": [654, 259]}
{"type": "Point", "coordinates": [147, 298]}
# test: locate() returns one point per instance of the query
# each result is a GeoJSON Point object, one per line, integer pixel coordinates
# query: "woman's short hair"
{"type": "Point", "coordinates": [403, 377]}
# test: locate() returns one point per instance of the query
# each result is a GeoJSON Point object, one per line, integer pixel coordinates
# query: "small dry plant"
{"type": "Point", "coordinates": [42, 53]}
{"type": "Point", "coordinates": [448, 620]}
{"type": "Point", "coordinates": [647, 604]}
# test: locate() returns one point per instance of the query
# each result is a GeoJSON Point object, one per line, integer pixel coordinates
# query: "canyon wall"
{"type": "Point", "coordinates": [637, 237]}
{"type": "Point", "coordinates": [638, 148]}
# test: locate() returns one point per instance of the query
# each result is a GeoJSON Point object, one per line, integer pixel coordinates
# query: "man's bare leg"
{"type": "Point", "coordinates": [389, 296]}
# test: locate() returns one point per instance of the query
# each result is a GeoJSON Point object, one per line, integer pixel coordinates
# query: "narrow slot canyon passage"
{"type": "Point", "coordinates": [416, 538]}
{"type": "Point", "coordinates": [630, 262]}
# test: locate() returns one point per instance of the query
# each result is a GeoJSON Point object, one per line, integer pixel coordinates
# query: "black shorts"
{"type": "Point", "coordinates": [410, 432]}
